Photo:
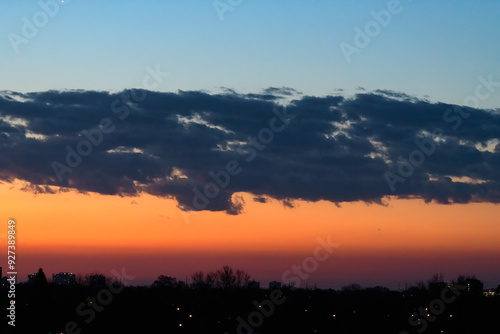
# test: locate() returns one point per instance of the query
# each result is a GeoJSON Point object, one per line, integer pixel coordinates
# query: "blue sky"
{"type": "Point", "coordinates": [431, 48]}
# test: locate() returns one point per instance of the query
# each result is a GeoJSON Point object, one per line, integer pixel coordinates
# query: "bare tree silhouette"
{"type": "Point", "coordinates": [225, 278]}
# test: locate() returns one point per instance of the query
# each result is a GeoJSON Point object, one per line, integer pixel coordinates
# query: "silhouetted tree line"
{"type": "Point", "coordinates": [222, 301]}
{"type": "Point", "coordinates": [225, 278]}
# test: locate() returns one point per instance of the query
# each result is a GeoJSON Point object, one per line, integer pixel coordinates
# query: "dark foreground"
{"type": "Point", "coordinates": [118, 309]}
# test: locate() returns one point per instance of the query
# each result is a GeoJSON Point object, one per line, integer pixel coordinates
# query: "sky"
{"type": "Point", "coordinates": [168, 137]}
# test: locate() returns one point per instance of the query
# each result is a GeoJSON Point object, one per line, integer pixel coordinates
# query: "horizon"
{"type": "Point", "coordinates": [399, 286]}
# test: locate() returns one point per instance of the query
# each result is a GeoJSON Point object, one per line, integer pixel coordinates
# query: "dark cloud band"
{"type": "Point", "coordinates": [317, 148]}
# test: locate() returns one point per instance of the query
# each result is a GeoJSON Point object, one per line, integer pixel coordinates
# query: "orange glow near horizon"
{"type": "Point", "coordinates": [69, 223]}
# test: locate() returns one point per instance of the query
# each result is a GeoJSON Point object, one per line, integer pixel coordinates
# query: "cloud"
{"type": "Point", "coordinates": [287, 91]}
{"type": "Point", "coordinates": [288, 203]}
{"type": "Point", "coordinates": [260, 199]}
{"type": "Point", "coordinates": [335, 148]}
{"type": "Point", "coordinates": [36, 189]}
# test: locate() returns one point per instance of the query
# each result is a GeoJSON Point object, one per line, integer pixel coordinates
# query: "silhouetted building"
{"type": "Point", "coordinates": [274, 285]}
{"type": "Point", "coordinates": [489, 293]}
{"type": "Point", "coordinates": [254, 285]}
{"type": "Point", "coordinates": [64, 279]}
{"type": "Point", "coordinates": [97, 280]}
{"type": "Point", "coordinates": [31, 278]}
{"type": "Point", "coordinates": [472, 285]}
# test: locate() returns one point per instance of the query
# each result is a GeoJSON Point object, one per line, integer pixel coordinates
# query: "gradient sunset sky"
{"type": "Point", "coordinates": [322, 139]}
